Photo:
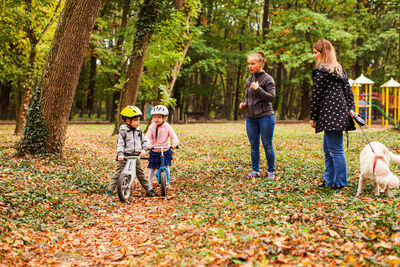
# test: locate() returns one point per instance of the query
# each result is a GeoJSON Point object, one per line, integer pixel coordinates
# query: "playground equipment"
{"type": "Point", "coordinates": [391, 102]}
{"type": "Point", "coordinates": [364, 101]}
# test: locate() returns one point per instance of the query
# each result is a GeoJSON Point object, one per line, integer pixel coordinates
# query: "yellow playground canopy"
{"type": "Point", "coordinates": [391, 102]}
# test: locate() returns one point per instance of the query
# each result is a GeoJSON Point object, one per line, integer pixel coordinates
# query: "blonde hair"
{"type": "Point", "coordinates": [260, 56]}
{"type": "Point", "coordinates": [328, 57]}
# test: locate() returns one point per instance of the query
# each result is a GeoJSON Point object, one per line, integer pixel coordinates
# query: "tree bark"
{"type": "Point", "coordinates": [147, 20]}
{"type": "Point", "coordinates": [266, 22]}
{"type": "Point", "coordinates": [148, 16]}
{"type": "Point", "coordinates": [61, 70]}
{"type": "Point", "coordinates": [305, 101]}
{"type": "Point", "coordinates": [92, 82]}
{"type": "Point", "coordinates": [5, 90]}
{"type": "Point", "coordinates": [23, 102]}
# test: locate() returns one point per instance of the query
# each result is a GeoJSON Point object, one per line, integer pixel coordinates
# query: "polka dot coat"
{"type": "Point", "coordinates": [331, 101]}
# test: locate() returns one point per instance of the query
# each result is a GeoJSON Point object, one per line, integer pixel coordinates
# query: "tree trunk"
{"type": "Point", "coordinates": [56, 91]}
{"type": "Point", "coordinates": [23, 104]}
{"type": "Point", "coordinates": [305, 101]}
{"type": "Point", "coordinates": [278, 86]}
{"type": "Point", "coordinates": [92, 82]}
{"type": "Point", "coordinates": [266, 22]}
{"type": "Point", "coordinates": [230, 85]}
{"type": "Point", "coordinates": [237, 92]}
{"type": "Point", "coordinates": [147, 20]}
{"type": "Point", "coordinates": [148, 15]}
{"type": "Point", "coordinates": [5, 90]}
{"type": "Point", "coordinates": [285, 96]}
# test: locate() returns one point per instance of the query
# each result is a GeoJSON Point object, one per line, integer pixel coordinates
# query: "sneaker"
{"type": "Point", "coordinates": [151, 193]}
{"type": "Point", "coordinates": [322, 185]}
{"type": "Point", "coordinates": [109, 193]}
{"type": "Point", "coordinates": [253, 174]}
{"type": "Point", "coordinates": [336, 187]}
{"type": "Point", "coordinates": [271, 176]}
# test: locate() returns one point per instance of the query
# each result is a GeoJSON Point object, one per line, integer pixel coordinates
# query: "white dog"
{"type": "Point", "coordinates": [375, 167]}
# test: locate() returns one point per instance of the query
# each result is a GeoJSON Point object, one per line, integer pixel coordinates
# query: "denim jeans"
{"type": "Point", "coordinates": [261, 127]}
{"type": "Point", "coordinates": [335, 160]}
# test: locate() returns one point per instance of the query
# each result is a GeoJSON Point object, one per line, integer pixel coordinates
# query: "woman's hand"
{"type": "Point", "coordinates": [352, 113]}
{"type": "Point", "coordinates": [255, 85]}
{"type": "Point", "coordinates": [312, 123]}
{"type": "Point", "coordinates": [242, 105]}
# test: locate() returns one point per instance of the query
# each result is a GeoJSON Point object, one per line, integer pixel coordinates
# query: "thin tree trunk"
{"type": "Point", "coordinates": [230, 85]}
{"type": "Point", "coordinates": [237, 92]}
{"type": "Point", "coordinates": [60, 76]}
{"type": "Point", "coordinates": [148, 15]}
{"type": "Point", "coordinates": [305, 101]}
{"type": "Point", "coordinates": [5, 90]}
{"type": "Point", "coordinates": [266, 22]}
{"type": "Point", "coordinates": [92, 82]}
{"type": "Point", "coordinates": [22, 107]}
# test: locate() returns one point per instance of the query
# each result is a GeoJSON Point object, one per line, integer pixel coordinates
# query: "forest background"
{"type": "Point", "coordinates": [208, 41]}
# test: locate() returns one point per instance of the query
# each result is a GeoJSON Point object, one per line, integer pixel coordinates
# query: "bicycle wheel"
{"type": "Point", "coordinates": [123, 189]}
{"type": "Point", "coordinates": [163, 178]}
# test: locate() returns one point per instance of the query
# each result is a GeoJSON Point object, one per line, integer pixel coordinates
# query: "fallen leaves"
{"type": "Point", "coordinates": [216, 216]}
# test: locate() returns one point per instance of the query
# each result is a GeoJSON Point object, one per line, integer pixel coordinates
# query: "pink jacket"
{"type": "Point", "coordinates": [164, 133]}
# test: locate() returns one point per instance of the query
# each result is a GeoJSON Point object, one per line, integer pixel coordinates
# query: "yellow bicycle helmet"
{"type": "Point", "coordinates": [131, 112]}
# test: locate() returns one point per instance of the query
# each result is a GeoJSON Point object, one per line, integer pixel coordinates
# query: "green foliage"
{"type": "Point", "coordinates": [35, 131]}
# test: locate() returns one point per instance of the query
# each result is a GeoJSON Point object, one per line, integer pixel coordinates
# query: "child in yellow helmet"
{"type": "Point", "coordinates": [130, 142]}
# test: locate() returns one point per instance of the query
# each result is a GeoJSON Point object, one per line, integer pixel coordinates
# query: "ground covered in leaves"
{"type": "Point", "coordinates": [54, 211]}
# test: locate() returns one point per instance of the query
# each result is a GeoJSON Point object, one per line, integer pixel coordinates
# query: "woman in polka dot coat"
{"type": "Point", "coordinates": [332, 109]}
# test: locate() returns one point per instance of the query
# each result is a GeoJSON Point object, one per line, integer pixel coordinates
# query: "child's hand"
{"type": "Point", "coordinates": [174, 146]}
{"type": "Point", "coordinates": [143, 153]}
{"type": "Point", "coordinates": [120, 158]}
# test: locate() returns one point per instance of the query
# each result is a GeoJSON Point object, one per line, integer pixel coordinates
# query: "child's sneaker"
{"type": "Point", "coordinates": [151, 193]}
{"type": "Point", "coordinates": [109, 193]}
{"type": "Point", "coordinates": [253, 174]}
{"type": "Point", "coordinates": [271, 176]}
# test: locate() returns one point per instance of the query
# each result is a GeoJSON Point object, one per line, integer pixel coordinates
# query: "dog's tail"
{"type": "Point", "coordinates": [394, 158]}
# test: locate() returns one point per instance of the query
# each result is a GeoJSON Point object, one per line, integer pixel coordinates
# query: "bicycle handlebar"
{"type": "Point", "coordinates": [162, 147]}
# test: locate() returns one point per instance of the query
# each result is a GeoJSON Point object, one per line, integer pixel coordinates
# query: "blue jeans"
{"type": "Point", "coordinates": [335, 160]}
{"type": "Point", "coordinates": [263, 127]}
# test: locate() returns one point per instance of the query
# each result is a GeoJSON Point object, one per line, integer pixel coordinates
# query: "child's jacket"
{"type": "Point", "coordinates": [158, 136]}
{"type": "Point", "coordinates": [130, 141]}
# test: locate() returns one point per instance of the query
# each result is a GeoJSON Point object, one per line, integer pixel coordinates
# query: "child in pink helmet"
{"type": "Point", "coordinates": [160, 134]}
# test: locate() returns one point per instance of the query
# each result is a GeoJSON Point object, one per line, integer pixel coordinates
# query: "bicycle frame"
{"type": "Point", "coordinates": [162, 167]}
{"type": "Point", "coordinates": [130, 168]}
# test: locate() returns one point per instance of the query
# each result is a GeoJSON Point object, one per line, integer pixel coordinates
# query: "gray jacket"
{"type": "Point", "coordinates": [259, 102]}
{"type": "Point", "coordinates": [130, 141]}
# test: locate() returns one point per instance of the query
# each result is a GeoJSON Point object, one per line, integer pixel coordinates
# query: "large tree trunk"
{"type": "Point", "coordinates": [56, 91]}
